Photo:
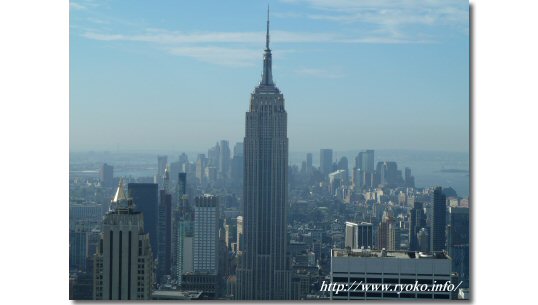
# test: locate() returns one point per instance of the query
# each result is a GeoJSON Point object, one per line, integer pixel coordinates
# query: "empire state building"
{"type": "Point", "coordinates": [263, 271]}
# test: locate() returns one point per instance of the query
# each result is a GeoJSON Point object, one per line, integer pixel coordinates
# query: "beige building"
{"type": "Point", "coordinates": [123, 264]}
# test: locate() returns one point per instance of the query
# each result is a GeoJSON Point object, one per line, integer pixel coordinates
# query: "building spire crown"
{"type": "Point", "coordinates": [120, 193]}
{"type": "Point", "coordinates": [121, 203]}
{"type": "Point", "coordinates": [267, 75]}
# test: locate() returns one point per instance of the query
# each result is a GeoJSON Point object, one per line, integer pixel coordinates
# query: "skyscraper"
{"type": "Point", "coordinates": [184, 249]}
{"type": "Point", "coordinates": [162, 161]}
{"type": "Point", "coordinates": [365, 160]}
{"type": "Point", "coordinates": [237, 165]}
{"type": "Point", "coordinates": [206, 231]}
{"type": "Point", "coordinates": [78, 244]}
{"type": "Point", "coordinates": [417, 221]}
{"type": "Point", "coordinates": [213, 155]}
{"type": "Point", "coordinates": [164, 234]}
{"type": "Point", "coordinates": [365, 235]}
{"type": "Point", "coordinates": [438, 236]}
{"type": "Point", "coordinates": [351, 237]}
{"type": "Point", "coordinates": [388, 174]}
{"type": "Point", "coordinates": [183, 239]}
{"type": "Point", "coordinates": [308, 163]}
{"type": "Point", "coordinates": [263, 271]}
{"type": "Point", "coordinates": [145, 196]}
{"type": "Point", "coordinates": [106, 175]}
{"type": "Point", "coordinates": [343, 165]}
{"type": "Point", "coordinates": [325, 161]}
{"type": "Point", "coordinates": [394, 237]}
{"type": "Point", "coordinates": [123, 264]}
{"type": "Point", "coordinates": [178, 213]}
{"type": "Point", "coordinates": [363, 171]}
{"type": "Point", "coordinates": [240, 233]}
{"type": "Point", "coordinates": [182, 185]}
{"type": "Point", "coordinates": [409, 179]}
{"type": "Point", "coordinates": [458, 242]}
{"type": "Point", "coordinates": [200, 168]}
{"type": "Point", "coordinates": [224, 160]}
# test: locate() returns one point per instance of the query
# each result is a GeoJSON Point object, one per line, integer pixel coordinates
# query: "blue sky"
{"type": "Point", "coordinates": [177, 75]}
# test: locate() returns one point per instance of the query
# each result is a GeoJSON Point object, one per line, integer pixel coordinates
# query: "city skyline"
{"type": "Point", "coordinates": [155, 66]}
{"type": "Point", "coordinates": [262, 229]}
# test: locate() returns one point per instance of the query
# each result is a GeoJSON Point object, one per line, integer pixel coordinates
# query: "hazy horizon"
{"type": "Point", "coordinates": [426, 166]}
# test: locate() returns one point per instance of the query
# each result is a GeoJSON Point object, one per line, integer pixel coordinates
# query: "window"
{"type": "Point", "coordinates": [373, 280]}
{"type": "Point", "coordinates": [390, 281]}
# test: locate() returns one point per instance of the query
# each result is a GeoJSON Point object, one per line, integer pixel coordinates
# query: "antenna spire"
{"type": "Point", "coordinates": [267, 35]}
{"type": "Point", "coordinates": [267, 74]}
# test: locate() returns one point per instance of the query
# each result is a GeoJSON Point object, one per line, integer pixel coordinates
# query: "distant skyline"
{"type": "Point", "coordinates": [177, 76]}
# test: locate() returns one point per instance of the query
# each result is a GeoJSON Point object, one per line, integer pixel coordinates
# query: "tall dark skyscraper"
{"type": "Point", "coordinates": [325, 161]}
{"type": "Point", "coordinates": [182, 185]}
{"type": "Point", "coordinates": [164, 229]}
{"type": "Point", "coordinates": [417, 221]}
{"type": "Point", "coordinates": [263, 272]}
{"type": "Point", "coordinates": [438, 236]}
{"type": "Point", "coordinates": [458, 242]}
{"type": "Point", "coordinates": [145, 197]}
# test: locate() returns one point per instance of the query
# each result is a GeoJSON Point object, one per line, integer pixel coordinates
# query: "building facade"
{"type": "Point", "coordinates": [106, 175]}
{"type": "Point", "coordinates": [206, 230]}
{"type": "Point", "coordinates": [146, 198]}
{"type": "Point", "coordinates": [393, 268]}
{"type": "Point", "coordinates": [325, 161]}
{"type": "Point", "coordinates": [123, 262]}
{"type": "Point", "coordinates": [438, 231]}
{"type": "Point", "coordinates": [458, 242]}
{"type": "Point", "coordinates": [263, 271]}
{"type": "Point", "coordinates": [417, 221]}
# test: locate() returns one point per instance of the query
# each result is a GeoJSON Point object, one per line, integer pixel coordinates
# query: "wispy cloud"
{"type": "Point", "coordinates": [385, 22]}
{"type": "Point", "coordinates": [387, 14]}
{"type": "Point", "coordinates": [169, 37]}
{"type": "Point", "coordinates": [320, 73]}
{"type": "Point", "coordinates": [219, 55]}
{"type": "Point", "coordinates": [84, 4]}
{"type": "Point", "coordinates": [239, 48]}
{"type": "Point", "coordinates": [76, 6]}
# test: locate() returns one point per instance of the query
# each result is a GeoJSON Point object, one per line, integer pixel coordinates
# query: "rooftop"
{"type": "Point", "coordinates": [387, 254]}
{"type": "Point", "coordinates": [176, 295]}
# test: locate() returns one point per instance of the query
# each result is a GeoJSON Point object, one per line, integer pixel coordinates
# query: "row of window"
{"type": "Point", "coordinates": [388, 280]}
{"type": "Point", "coordinates": [362, 295]}
{"type": "Point", "coordinates": [388, 273]}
